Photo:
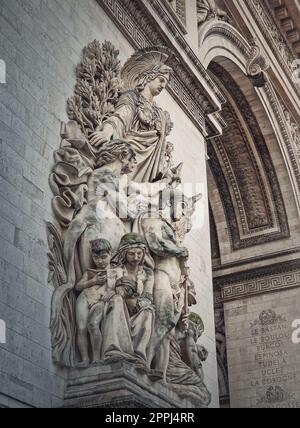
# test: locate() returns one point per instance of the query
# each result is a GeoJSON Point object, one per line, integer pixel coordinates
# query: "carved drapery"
{"type": "Point", "coordinates": [117, 261]}
{"type": "Point", "coordinates": [188, 90]}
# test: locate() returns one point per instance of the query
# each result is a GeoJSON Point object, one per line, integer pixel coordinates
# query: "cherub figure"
{"type": "Point", "coordinates": [96, 287]}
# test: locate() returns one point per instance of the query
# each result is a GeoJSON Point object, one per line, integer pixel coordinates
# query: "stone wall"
{"type": "Point", "coordinates": [41, 43]}
{"type": "Point", "coordinates": [263, 361]}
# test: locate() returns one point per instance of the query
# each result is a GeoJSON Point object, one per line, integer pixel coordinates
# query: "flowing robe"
{"type": "Point", "coordinates": [145, 126]}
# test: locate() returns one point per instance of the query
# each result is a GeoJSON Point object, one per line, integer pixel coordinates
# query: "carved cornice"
{"type": "Point", "coordinates": [141, 29]}
{"type": "Point", "coordinates": [258, 281]}
{"type": "Point", "coordinates": [287, 15]}
{"type": "Point", "coordinates": [271, 31]}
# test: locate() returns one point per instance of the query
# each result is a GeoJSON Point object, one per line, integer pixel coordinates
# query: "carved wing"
{"type": "Point", "coordinates": [98, 87]}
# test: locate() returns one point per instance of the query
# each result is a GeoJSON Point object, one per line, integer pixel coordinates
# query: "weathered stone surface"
{"type": "Point", "coordinates": [263, 360]}
{"type": "Point", "coordinates": [118, 385]}
{"type": "Point", "coordinates": [40, 77]}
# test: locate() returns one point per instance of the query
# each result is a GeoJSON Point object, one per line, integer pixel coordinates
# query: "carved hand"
{"type": "Point", "coordinates": [101, 137]}
{"type": "Point", "coordinates": [100, 278]}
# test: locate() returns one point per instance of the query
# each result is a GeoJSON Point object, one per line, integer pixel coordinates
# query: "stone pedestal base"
{"type": "Point", "coordinates": [118, 385]}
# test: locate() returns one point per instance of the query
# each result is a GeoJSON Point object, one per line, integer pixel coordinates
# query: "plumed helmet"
{"type": "Point", "coordinates": [145, 65]}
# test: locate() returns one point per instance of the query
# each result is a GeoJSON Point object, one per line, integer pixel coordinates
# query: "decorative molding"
{"type": "Point", "coordinates": [140, 28]}
{"type": "Point", "coordinates": [177, 9]}
{"type": "Point", "coordinates": [259, 281]}
{"type": "Point", "coordinates": [181, 10]}
{"type": "Point", "coordinates": [218, 302]}
{"type": "Point", "coordinates": [285, 13]}
{"type": "Point", "coordinates": [257, 65]}
{"type": "Point", "coordinates": [271, 32]}
{"type": "Point", "coordinates": [178, 18]}
{"type": "Point", "coordinates": [276, 217]}
{"type": "Point", "coordinates": [278, 112]}
{"type": "Point", "coordinates": [254, 259]}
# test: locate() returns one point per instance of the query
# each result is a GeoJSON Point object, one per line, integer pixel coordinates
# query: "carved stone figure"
{"type": "Point", "coordinates": [136, 116]}
{"type": "Point", "coordinates": [96, 288]}
{"type": "Point", "coordinates": [185, 371]}
{"type": "Point", "coordinates": [97, 219]}
{"type": "Point", "coordinates": [117, 258]}
{"type": "Point", "coordinates": [208, 9]}
{"type": "Point", "coordinates": [170, 273]}
{"type": "Point", "coordinates": [129, 320]}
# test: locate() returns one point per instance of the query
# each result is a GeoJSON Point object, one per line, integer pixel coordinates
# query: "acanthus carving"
{"type": "Point", "coordinates": [117, 261]}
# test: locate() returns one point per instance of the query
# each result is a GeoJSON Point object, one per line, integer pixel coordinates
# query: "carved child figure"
{"type": "Point", "coordinates": [97, 287]}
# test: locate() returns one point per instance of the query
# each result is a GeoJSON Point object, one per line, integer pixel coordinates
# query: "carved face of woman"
{"type": "Point", "coordinates": [157, 85]}
{"type": "Point", "coordinates": [134, 256]}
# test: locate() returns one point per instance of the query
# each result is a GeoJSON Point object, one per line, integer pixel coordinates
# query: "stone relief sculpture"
{"type": "Point", "coordinates": [185, 371]}
{"type": "Point", "coordinates": [136, 116]}
{"type": "Point", "coordinates": [208, 9]}
{"type": "Point", "coordinates": [132, 302]}
{"type": "Point", "coordinates": [96, 288]}
{"type": "Point", "coordinates": [117, 259]}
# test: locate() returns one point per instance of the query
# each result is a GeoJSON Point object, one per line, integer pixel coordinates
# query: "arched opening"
{"type": "Point", "coordinates": [251, 197]}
